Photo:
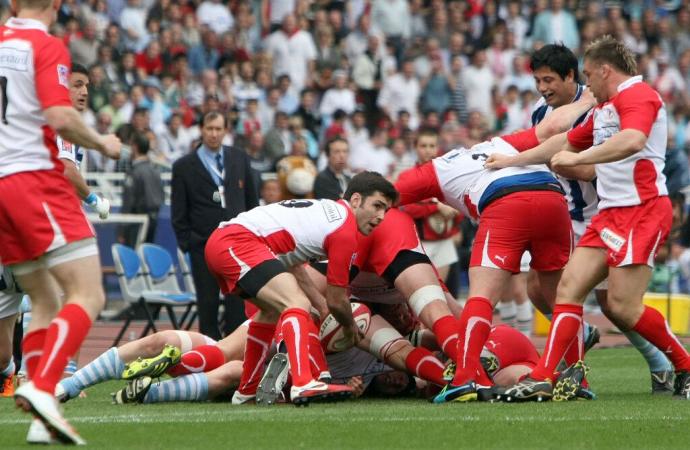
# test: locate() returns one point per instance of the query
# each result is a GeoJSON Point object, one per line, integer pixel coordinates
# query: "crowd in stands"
{"type": "Point", "coordinates": [291, 74]}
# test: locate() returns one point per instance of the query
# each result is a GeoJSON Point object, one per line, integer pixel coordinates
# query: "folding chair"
{"type": "Point", "coordinates": [185, 262]}
{"type": "Point", "coordinates": [134, 291]}
{"type": "Point", "coordinates": [159, 273]}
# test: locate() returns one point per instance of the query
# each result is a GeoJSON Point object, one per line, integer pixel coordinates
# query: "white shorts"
{"type": "Point", "coordinates": [441, 253]}
{"type": "Point", "coordinates": [9, 303]}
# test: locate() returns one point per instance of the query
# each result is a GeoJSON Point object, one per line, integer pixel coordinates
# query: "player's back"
{"type": "Point", "coordinates": [34, 75]}
{"type": "Point", "coordinates": [298, 230]}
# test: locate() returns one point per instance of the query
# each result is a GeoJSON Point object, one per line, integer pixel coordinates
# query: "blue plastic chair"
{"type": "Point", "coordinates": [139, 297]}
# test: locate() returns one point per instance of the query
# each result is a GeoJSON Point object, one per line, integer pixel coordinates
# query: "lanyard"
{"type": "Point", "coordinates": [219, 195]}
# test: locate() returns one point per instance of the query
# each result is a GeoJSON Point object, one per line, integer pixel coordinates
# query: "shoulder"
{"type": "Point", "coordinates": [183, 162]}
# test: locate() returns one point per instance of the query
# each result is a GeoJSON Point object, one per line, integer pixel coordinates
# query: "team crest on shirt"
{"type": "Point", "coordinates": [63, 75]}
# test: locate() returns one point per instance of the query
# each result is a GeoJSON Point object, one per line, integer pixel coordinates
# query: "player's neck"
{"type": "Point", "coordinates": [45, 16]}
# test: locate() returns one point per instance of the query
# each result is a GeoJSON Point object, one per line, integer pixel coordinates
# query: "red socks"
{"type": "Point", "coordinates": [654, 328]}
{"type": "Point", "coordinates": [63, 338]}
{"type": "Point", "coordinates": [475, 326]}
{"type": "Point", "coordinates": [32, 349]}
{"type": "Point", "coordinates": [565, 326]}
{"type": "Point", "coordinates": [446, 331]}
{"type": "Point", "coordinates": [202, 359]}
{"type": "Point", "coordinates": [317, 357]}
{"type": "Point", "coordinates": [259, 337]}
{"type": "Point", "coordinates": [423, 364]}
{"type": "Point", "coordinates": [295, 327]}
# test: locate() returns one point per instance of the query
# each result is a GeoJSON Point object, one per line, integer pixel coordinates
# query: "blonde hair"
{"type": "Point", "coordinates": [608, 50]}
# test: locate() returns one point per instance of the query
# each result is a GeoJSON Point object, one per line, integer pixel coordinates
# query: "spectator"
{"type": "Point", "coordinates": [244, 87]}
{"type": "Point", "coordinates": [142, 193]}
{"type": "Point", "coordinates": [367, 75]}
{"type": "Point", "coordinates": [337, 126]}
{"type": "Point", "coordinates": [249, 121]}
{"type": "Point", "coordinates": [392, 17]}
{"type": "Point", "coordinates": [297, 130]}
{"type": "Point", "coordinates": [293, 52]}
{"type": "Point", "coordinates": [332, 181]}
{"type": "Point", "coordinates": [99, 89]}
{"type": "Point", "coordinates": [437, 89]}
{"type": "Point", "coordinates": [311, 118]}
{"type": "Point", "coordinates": [271, 192]}
{"type": "Point", "coordinates": [215, 15]}
{"type": "Point", "coordinates": [478, 80]}
{"type": "Point", "coordinates": [175, 140]}
{"type": "Point", "coordinates": [118, 110]}
{"type": "Point", "coordinates": [556, 25]}
{"type": "Point", "coordinates": [328, 56]}
{"type": "Point", "coordinates": [273, 13]}
{"type": "Point", "coordinates": [338, 97]}
{"type": "Point", "coordinates": [204, 56]}
{"type": "Point", "coordinates": [149, 62]}
{"type": "Point", "coordinates": [288, 101]}
{"type": "Point", "coordinates": [257, 159]}
{"type": "Point", "coordinates": [401, 92]}
{"type": "Point", "coordinates": [403, 158]}
{"type": "Point", "coordinates": [356, 43]}
{"type": "Point", "coordinates": [84, 49]}
{"type": "Point", "coordinates": [130, 75]}
{"type": "Point", "coordinates": [159, 112]}
{"type": "Point", "coordinates": [268, 108]}
{"type": "Point", "coordinates": [133, 23]}
{"type": "Point", "coordinates": [277, 140]}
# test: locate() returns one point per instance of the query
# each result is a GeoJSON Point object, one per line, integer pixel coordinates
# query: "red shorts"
{"type": "Point", "coordinates": [537, 221]}
{"type": "Point", "coordinates": [630, 235]}
{"type": "Point", "coordinates": [511, 347]}
{"type": "Point", "coordinates": [418, 183]}
{"type": "Point", "coordinates": [231, 252]}
{"type": "Point", "coordinates": [39, 212]}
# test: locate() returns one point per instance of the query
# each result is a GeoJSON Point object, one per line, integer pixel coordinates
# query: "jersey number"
{"type": "Point", "coordinates": [296, 203]}
{"type": "Point", "coordinates": [3, 105]}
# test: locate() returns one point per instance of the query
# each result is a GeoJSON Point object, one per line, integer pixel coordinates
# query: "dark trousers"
{"type": "Point", "coordinates": [208, 300]}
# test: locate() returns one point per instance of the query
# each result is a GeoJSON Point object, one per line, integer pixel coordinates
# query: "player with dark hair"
{"type": "Point", "coordinates": [252, 253]}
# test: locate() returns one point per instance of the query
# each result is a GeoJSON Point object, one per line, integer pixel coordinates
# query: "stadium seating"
{"type": "Point", "coordinates": [138, 293]}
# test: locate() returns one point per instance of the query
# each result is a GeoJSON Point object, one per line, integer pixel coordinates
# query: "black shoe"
{"type": "Point", "coordinates": [681, 385]}
{"type": "Point", "coordinates": [527, 390]}
{"type": "Point", "coordinates": [569, 382]}
{"type": "Point", "coordinates": [662, 382]}
{"type": "Point", "coordinates": [489, 363]}
{"type": "Point", "coordinates": [592, 338]}
{"type": "Point", "coordinates": [134, 392]}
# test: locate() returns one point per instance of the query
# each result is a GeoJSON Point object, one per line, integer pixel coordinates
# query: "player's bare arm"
{"type": "Point", "coordinates": [585, 172]}
{"type": "Point", "coordinates": [339, 305]}
{"type": "Point", "coordinates": [69, 125]}
{"type": "Point", "coordinates": [619, 146]}
{"type": "Point", "coordinates": [540, 154]}
{"type": "Point", "coordinates": [75, 178]}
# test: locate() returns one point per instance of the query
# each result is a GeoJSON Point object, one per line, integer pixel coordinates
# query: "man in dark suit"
{"type": "Point", "coordinates": [210, 185]}
{"type": "Point", "coordinates": [331, 182]}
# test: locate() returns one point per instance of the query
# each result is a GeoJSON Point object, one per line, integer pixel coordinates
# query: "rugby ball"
{"type": "Point", "coordinates": [331, 332]}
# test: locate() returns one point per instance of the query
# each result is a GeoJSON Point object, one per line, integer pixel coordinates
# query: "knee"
{"type": "Point", "coordinates": [567, 289]}
{"type": "Point", "coordinates": [154, 343]}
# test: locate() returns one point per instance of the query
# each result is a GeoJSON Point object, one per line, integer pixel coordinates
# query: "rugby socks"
{"type": "Point", "coordinates": [108, 366]}
{"type": "Point", "coordinates": [475, 326]}
{"type": "Point", "coordinates": [576, 351]}
{"type": "Point", "coordinates": [657, 361]}
{"type": "Point", "coordinates": [71, 367]}
{"type": "Point", "coordinates": [9, 370]}
{"type": "Point", "coordinates": [524, 318]}
{"type": "Point", "coordinates": [202, 359]}
{"type": "Point", "coordinates": [317, 357]}
{"type": "Point", "coordinates": [191, 388]}
{"type": "Point", "coordinates": [65, 335]}
{"type": "Point", "coordinates": [507, 312]}
{"type": "Point", "coordinates": [295, 329]}
{"type": "Point", "coordinates": [566, 324]}
{"type": "Point", "coordinates": [32, 349]}
{"type": "Point", "coordinates": [259, 338]}
{"type": "Point", "coordinates": [446, 331]}
{"type": "Point", "coordinates": [423, 364]}
{"type": "Point", "coordinates": [654, 328]}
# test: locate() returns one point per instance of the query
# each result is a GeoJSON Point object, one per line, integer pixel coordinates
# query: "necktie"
{"type": "Point", "coordinates": [219, 162]}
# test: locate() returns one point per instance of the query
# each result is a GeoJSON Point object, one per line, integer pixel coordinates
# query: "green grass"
{"type": "Point", "coordinates": [625, 416]}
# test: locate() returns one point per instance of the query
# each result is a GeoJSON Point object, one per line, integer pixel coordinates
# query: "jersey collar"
{"type": "Point", "coordinates": [629, 82]}
{"type": "Point", "coordinates": [26, 24]}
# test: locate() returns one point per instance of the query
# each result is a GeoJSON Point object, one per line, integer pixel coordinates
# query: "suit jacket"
{"type": "Point", "coordinates": [326, 185]}
{"type": "Point", "coordinates": [194, 212]}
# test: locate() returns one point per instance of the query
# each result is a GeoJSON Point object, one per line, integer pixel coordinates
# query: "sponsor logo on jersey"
{"type": "Point", "coordinates": [14, 59]}
{"type": "Point", "coordinates": [63, 75]}
{"type": "Point", "coordinates": [331, 211]}
{"type": "Point", "coordinates": [612, 240]}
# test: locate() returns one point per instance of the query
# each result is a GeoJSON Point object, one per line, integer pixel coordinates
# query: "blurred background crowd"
{"type": "Point", "coordinates": [291, 74]}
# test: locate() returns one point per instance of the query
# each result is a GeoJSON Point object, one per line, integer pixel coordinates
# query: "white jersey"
{"type": "Point", "coordinates": [581, 195]}
{"type": "Point", "coordinates": [300, 231]}
{"type": "Point", "coordinates": [369, 287]}
{"type": "Point", "coordinates": [639, 177]}
{"type": "Point", "coordinates": [34, 75]}
{"type": "Point", "coordinates": [469, 187]}
{"type": "Point", "coordinates": [69, 151]}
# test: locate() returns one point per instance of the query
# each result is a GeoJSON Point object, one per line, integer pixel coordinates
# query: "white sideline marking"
{"type": "Point", "coordinates": [246, 416]}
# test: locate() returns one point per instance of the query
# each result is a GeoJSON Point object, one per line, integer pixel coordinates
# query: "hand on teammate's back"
{"type": "Point", "coordinates": [497, 161]}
